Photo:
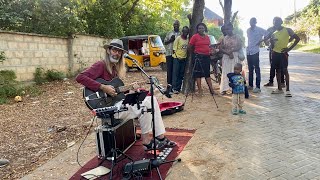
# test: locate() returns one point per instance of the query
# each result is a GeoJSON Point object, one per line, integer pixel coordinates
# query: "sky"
{"type": "Point", "coordinates": [263, 10]}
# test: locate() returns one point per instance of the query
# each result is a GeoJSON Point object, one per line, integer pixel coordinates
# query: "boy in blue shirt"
{"type": "Point", "coordinates": [237, 83]}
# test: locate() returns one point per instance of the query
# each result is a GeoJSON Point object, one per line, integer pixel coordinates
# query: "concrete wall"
{"type": "Point", "coordinates": [25, 52]}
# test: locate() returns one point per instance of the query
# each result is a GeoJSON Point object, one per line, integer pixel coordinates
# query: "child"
{"type": "Point", "coordinates": [237, 83]}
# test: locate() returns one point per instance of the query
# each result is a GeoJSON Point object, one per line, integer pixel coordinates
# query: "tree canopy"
{"type": "Point", "coordinates": [307, 21]}
{"type": "Point", "coordinates": [110, 18]}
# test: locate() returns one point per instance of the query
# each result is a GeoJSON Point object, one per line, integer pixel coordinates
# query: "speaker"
{"type": "Point", "coordinates": [121, 137]}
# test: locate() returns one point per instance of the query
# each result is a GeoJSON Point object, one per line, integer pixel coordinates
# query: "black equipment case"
{"type": "Point", "coordinates": [121, 136]}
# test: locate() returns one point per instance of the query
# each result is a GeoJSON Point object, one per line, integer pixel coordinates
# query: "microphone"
{"type": "Point", "coordinates": [168, 90]}
{"type": "Point", "coordinates": [163, 91]}
{"type": "Point", "coordinates": [125, 55]}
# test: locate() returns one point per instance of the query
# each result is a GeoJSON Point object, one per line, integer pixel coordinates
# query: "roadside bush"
{"type": "Point", "coordinates": [3, 100]}
{"type": "Point", "coordinates": [7, 85]}
{"type": "Point", "coordinates": [10, 88]}
{"type": "Point", "coordinates": [30, 90]}
{"type": "Point", "coordinates": [2, 56]}
{"type": "Point", "coordinates": [39, 76]}
{"type": "Point", "coordinates": [7, 76]}
{"type": "Point", "coordinates": [54, 75]}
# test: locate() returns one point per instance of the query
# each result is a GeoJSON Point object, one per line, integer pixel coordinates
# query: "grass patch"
{"type": "Point", "coordinates": [41, 75]}
{"type": "Point", "coordinates": [312, 48]}
{"type": "Point", "coordinates": [9, 87]}
{"type": "Point", "coordinates": [3, 100]}
{"type": "Point", "coordinates": [31, 90]}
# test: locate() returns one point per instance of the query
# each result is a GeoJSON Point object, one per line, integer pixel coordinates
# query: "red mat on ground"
{"type": "Point", "coordinates": [136, 152]}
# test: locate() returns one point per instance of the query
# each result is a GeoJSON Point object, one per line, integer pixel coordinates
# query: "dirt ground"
{"type": "Point", "coordinates": [39, 128]}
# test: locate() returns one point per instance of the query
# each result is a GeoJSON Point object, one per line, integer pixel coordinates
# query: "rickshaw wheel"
{"type": "Point", "coordinates": [163, 66]}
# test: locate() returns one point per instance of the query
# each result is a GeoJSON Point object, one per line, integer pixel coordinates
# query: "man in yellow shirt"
{"type": "Point", "coordinates": [180, 46]}
{"type": "Point", "coordinates": [281, 37]}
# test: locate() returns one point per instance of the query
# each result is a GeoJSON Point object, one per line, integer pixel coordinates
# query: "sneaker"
{"type": "Point", "coordinates": [175, 91]}
{"type": "Point", "coordinates": [234, 111]}
{"type": "Point", "coordinates": [241, 111]}
{"type": "Point", "coordinates": [256, 90]}
{"type": "Point", "coordinates": [288, 94]}
{"type": "Point", "coordinates": [3, 162]}
{"type": "Point", "coordinates": [277, 91]}
{"type": "Point", "coordinates": [223, 93]}
{"type": "Point", "coordinates": [250, 87]}
{"type": "Point", "coordinates": [268, 84]}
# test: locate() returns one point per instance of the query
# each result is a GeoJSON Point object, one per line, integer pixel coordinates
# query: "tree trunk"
{"type": "Point", "coordinates": [127, 16]}
{"type": "Point", "coordinates": [194, 19]}
{"type": "Point", "coordinates": [227, 11]}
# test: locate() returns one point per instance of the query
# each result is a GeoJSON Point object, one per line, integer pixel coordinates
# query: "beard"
{"type": "Point", "coordinates": [114, 59]}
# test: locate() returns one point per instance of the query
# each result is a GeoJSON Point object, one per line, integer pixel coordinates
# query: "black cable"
{"type": "Point", "coordinates": [94, 118]}
{"type": "Point", "coordinates": [137, 175]}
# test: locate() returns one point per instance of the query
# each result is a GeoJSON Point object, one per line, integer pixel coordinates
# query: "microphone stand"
{"type": "Point", "coordinates": [154, 162]}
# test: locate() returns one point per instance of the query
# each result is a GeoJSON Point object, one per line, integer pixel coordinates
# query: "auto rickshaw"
{"type": "Point", "coordinates": [148, 50]}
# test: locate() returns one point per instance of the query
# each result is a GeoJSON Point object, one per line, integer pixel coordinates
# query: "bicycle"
{"type": "Point", "coordinates": [216, 63]}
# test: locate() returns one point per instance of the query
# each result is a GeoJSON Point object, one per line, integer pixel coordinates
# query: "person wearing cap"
{"type": "Point", "coordinates": [113, 66]}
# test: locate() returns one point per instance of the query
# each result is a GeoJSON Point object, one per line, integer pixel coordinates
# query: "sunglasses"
{"type": "Point", "coordinates": [115, 50]}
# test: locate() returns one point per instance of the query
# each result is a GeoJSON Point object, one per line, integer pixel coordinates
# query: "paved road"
{"type": "Point", "coordinates": [281, 136]}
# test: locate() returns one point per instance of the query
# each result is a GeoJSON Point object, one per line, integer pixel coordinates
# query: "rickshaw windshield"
{"type": "Point", "coordinates": [156, 41]}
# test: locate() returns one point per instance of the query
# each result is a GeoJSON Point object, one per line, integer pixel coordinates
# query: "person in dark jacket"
{"type": "Point", "coordinates": [237, 83]}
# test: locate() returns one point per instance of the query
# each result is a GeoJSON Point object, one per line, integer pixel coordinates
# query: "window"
{"type": "Point", "coordinates": [156, 41]}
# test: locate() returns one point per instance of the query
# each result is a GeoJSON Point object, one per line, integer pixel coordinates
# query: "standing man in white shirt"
{"type": "Point", "coordinates": [254, 34]}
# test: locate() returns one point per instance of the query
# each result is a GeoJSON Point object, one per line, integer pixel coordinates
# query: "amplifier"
{"type": "Point", "coordinates": [121, 137]}
{"type": "Point", "coordinates": [141, 166]}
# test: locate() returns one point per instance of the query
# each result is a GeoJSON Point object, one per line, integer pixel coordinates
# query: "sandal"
{"type": "Point", "coordinates": [166, 142]}
{"type": "Point", "coordinates": [234, 111]}
{"type": "Point", "coordinates": [150, 146]}
{"type": "Point", "coordinates": [241, 111]}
